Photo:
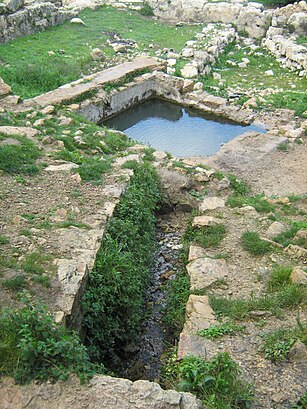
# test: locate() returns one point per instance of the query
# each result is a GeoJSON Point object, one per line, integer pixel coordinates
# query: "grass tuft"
{"type": "Point", "coordinates": [252, 243]}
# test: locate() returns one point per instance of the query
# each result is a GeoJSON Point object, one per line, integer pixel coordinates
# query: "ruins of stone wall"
{"type": "Point", "coordinates": [288, 23]}
{"type": "Point", "coordinates": [18, 19]}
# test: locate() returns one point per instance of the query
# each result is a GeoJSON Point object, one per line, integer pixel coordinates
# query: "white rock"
{"type": "Point", "coordinates": [269, 73]}
{"type": "Point", "coordinates": [189, 71]}
{"type": "Point", "coordinates": [77, 20]}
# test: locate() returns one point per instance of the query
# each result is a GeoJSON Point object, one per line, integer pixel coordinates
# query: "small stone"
{"type": "Point", "coordinates": [298, 352]}
{"type": "Point", "coordinates": [159, 155]}
{"type": "Point", "coordinates": [65, 167]}
{"type": "Point", "coordinates": [275, 229]}
{"type": "Point", "coordinates": [189, 71]}
{"type": "Point", "coordinates": [171, 62]}
{"type": "Point", "coordinates": [49, 109]}
{"type": "Point", "coordinates": [202, 221]}
{"type": "Point", "coordinates": [198, 86]}
{"type": "Point", "coordinates": [5, 89]}
{"type": "Point", "coordinates": [66, 121]}
{"type": "Point", "coordinates": [97, 54]}
{"type": "Point", "coordinates": [188, 86]}
{"type": "Point", "coordinates": [76, 177]}
{"type": "Point", "coordinates": [217, 76]}
{"type": "Point", "coordinates": [60, 215]}
{"type": "Point", "coordinates": [298, 276]}
{"type": "Point", "coordinates": [269, 73]}
{"type": "Point", "coordinates": [39, 122]}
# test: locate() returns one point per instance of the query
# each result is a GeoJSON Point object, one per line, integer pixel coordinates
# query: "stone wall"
{"type": "Point", "coordinates": [18, 19]}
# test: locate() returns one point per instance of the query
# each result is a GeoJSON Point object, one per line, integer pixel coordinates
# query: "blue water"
{"type": "Point", "coordinates": [182, 132]}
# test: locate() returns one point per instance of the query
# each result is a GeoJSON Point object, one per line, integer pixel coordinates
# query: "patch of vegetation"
{"type": "Point", "coordinates": [33, 346]}
{"type": "Point", "coordinates": [279, 277]}
{"type": "Point", "coordinates": [258, 202]}
{"type": "Point", "coordinates": [284, 147]}
{"type": "Point", "coordinates": [35, 263]}
{"type": "Point", "coordinates": [252, 243]}
{"type": "Point", "coordinates": [277, 344]}
{"type": "Point", "coordinates": [218, 382]}
{"type": "Point", "coordinates": [147, 10]}
{"type": "Point", "coordinates": [19, 158]}
{"type": "Point", "coordinates": [209, 236]}
{"type": "Point", "coordinates": [287, 237]}
{"type": "Point", "coordinates": [92, 169]}
{"type": "Point", "coordinates": [7, 261]}
{"type": "Point", "coordinates": [43, 280]}
{"type": "Point", "coordinates": [71, 223]}
{"type": "Point", "coordinates": [301, 403]}
{"type": "Point", "coordinates": [238, 186]}
{"type": "Point", "coordinates": [217, 331]}
{"type": "Point", "coordinates": [15, 284]}
{"type": "Point", "coordinates": [113, 302]}
{"type": "Point", "coordinates": [4, 239]}
{"type": "Point", "coordinates": [296, 101]}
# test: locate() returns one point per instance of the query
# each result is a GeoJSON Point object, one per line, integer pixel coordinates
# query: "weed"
{"type": "Point", "coordinates": [32, 346]}
{"type": "Point", "coordinates": [25, 232]}
{"type": "Point", "coordinates": [43, 280]}
{"type": "Point", "coordinates": [258, 202]}
{"type": "Point", "coordinates": [19, 158]}
{"type": "Point", "coordinates": [113, 302]}
{"type": "Point", "coordinates": [20, 179]}
{"type": "Point", "coordinates": [218, 175]}
{"type": "Point", "coordinates": [301, 403]}
{"type": "Point", "coordinates": [70, 156]}
{"type": "Point", "coordinates": [277, 344]}
{"type": "Point", "coordinates": [146, 10]}
{"type": "Point", "coordinates": [284, 147]}
{"type": "Point", "coordinates": [287, 237]}
{"type": "Point", "coordinates": [279, 277]}
{"type": "Point", "coordinates": [252, 243]}
{"type": "Point", "coordinates": [4, 239]}
{"type": "Point", "coordinates": [91, 169]}
{"type": "Point", "coordinates": [216, 331]}
{"type": "Point", "coordinates": [205, 237]}
{"type": "Point", "coordinates": [35, 263]}
{"type": "Point", "coordinates": [148, 154]}
{"type": "Point", "coordinates": [7, 262]}
{"type": "Point", "coordinates": [16, 284]}
{"type": "Point", "coordinates": [238, 186]}
{"type": "Point", "coordinates": [217, 382]}
{"type": "Point", "coordinates": [76, 193]}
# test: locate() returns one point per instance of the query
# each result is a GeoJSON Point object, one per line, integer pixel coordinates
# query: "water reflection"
{"type": "Point", "coordinates": [172, 128]}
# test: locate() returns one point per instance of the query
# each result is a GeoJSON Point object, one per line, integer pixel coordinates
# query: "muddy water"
{"type": "Point", "coordinates": [145, 364]}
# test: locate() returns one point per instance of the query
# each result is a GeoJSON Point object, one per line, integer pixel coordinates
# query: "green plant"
{"type": "Point", "coordinates": [113, 302]}
{"type": "Point", "coordinates": [146, 10]}
{"type": "Point", "coordinates": [277, 344]}
{"type": "Point", "coordinates": [43, 280]}
{"type": "Point", "coordinates": [4, 239]}
{"type": "Point", "coordinates": [148, 154]}
{"type": "Point", "coordinates": [91, 169]}
{"type": "Point", "coordinates": [258, 202]}
{"type": "Point", "coordinates": [217, 382]}
{"type": "Point", "coordinates": [283, 147]}
{"type": "Point", "coordinates": [205, 237]}
{"type": "Point", "coordinates": [279, 277]}
{"type": "Point", "coordinates": [287, 237]}
{"type": "Point", "coordinates": [238, 186]}
{"type": "Point", "coordinates": [17, 283]}
{"type": "Point", "coordinates": [19, 158]}
{"type": "Point", "coordinates": [301, 403]}
{"type": "Point", "coordinates": [252, 243]}
{"type": "Point", "coordinates": [33, 346]}
{"type": "Point", "coordinates": [216, 331]}
{"type": "Point", "coordinates": [35, 263]}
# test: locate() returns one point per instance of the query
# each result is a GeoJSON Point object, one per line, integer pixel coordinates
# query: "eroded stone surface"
{"type": "Point", "coordinates": [211, 203]}
{"type": "Point", "coordinates": [203, 221]}
{"type": "Point", "coordinates": [204, 272]}
{"type": "Point", "coordinates": [196, 252]}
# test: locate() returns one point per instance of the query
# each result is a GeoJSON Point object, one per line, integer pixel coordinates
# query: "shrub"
{"type": "Point", "coordinates": [113, 302]}
{"type": "Point", "coordinates": [146, 10]}
{"type": "Point", "coordinates": [17, 283]}
{"type": "Point", "coordinates": [216, 331]}
{"type": "Point", "coordinates": [32, 346]}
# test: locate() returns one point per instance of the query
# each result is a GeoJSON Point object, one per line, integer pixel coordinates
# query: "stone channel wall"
{"type": "Point", "coordinates": [18, 18]}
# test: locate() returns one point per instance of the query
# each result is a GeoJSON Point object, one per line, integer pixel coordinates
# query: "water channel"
{"type": "Point", "coordinates": [172, 128]}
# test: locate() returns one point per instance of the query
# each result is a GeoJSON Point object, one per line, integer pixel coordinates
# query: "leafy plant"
{"type": "Point", "coordinates": [252, 243]}
{"type": "Point", "coordinates": [93, 168]}
{"type": "Point", "coordinates": [33, 346]}
{"type": "Point", "coordinates": [216, 331]}
{"type": "Point", "coordinates": [217, 382]}
{"type": "Point", "coordinates": [113, 302]}
{"type": "Point", "coordinates": [301, 403]}
{"type": "Point", "coordinates": [287, 237]}
{"type": "Point", "coordinates": [4, 239]}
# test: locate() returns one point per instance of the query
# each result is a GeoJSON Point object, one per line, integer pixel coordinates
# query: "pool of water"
{"type": "Point", "coordinates": [180, 131]}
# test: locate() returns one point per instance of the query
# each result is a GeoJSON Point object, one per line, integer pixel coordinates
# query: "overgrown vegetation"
{"type": "Point", "coordinates": [288, 237]}
{"type": "Point", "coordinates": [19, 157]}
{"type": "Point", "coordinates": [217, 382]}
{"type": "Point", "coordinates": [113, 302]}
{"type": "Point", "coordinates": [209, 236]}
{"type": "Point", "coordinates": [32, 346]}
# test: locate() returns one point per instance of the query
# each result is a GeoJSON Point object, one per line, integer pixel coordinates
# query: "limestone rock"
{"type": "Point", "coordinates": [301, 235]}
{"type": "Point", "coordinates": [223, 184]}
{"type": "Point", "coordinates": [12, 5]}
{"type": "Point", "coordinates": [19, 130]}
{"type": "Point", "coordinates": [194, 345]}
{"type": "Point", "coordinates": [49, 109]}
{"type": "Point", "coordinates": [65, 167]}
{"type": "Point", "coordinates": [298, 352]}
{"type": "Point", "coordinates": [297, 251]}
{"type": "Point", "coordinates": [101, 392]}
{"type": "Point", "coordinates": [212, 101]}
{"type": "Point", "coordinates": [196, 252]}
{"type": "Point", "coordinates": [203, 221]}
{"type": "Point", "coordinates": [204, 272]}
{"type": "Point", "coordinates": [97, 54]}
{"type": "Point", "coordinates": [199, 314]}
{"type": "Point", "coordinates": [211, 203]}
{"type": "Point", "coordinates": [189, 71]}
{"type": "Point", "coordinates": [5, 89]}
{"type": "Point", "coordinates": [298, 276]}
{"type": "Point", "coordinates": [77, 21]}
{"type": "Point", "coordinates": [275, 229]}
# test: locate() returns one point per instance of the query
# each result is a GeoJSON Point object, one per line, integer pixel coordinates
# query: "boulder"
{"type": "Point", "coordinates": [5, 89]}
{"type": "Point", "coordinates": [275, 229]}
{"type": "Point", "coordinates": [97, 54]}
{"type": "Point", "coordinates": [199, 314]}
{"type": "Point", "coordinates": [211, 203]}
{"type": "Point", "coordinates": [205, 271]}
{"type": "Point", "coordinates": [203, 221]}
{"type": "Point", "coordinates": [11, 6]}
{"type": "Point", "coordinates": [189, 71]}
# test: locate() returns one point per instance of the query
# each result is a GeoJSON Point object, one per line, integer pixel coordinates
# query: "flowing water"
{"type": "Point", "coordinates": [180, 131]}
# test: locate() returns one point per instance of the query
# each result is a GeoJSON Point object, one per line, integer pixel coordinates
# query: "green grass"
{"type": "Point", "coordinates": [35, 263]}
{"type": "Point", "coordinates": [252, 243]}
{"type": "Point", "coordinates": [260, 204]}
{"type": "Point", "coordinates": [32, 71]}
{"type": "Point", "coordinates": [205, 237]}
{"type": "Point", "coordinates": [16, 284]}
{"type": "Point", "coordinates": [219, 330]}
{"type": "Point", "coordinates": [287, 237]}
{"type": "Point", "coordinates": [4, 239]}
{"type": "Point", "coordinates": [279, 277]}
{"type": "Point", "coordinates": [253, 78]}
{"type": "Point", "coordinates": [92, 169]}
{"type": "Point", "coordinates": [19, 158]}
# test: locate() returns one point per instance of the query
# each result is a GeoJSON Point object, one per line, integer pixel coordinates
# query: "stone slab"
{"type": "Point", "coordinates": [199, 314]}
{"type": "Point", "coordinates": [211, 203]}
{"type": "Point", "coordinates": [205, 271]}
{"type": "Point", "coordinates": [203, 221]}
{"type": "Point", "coordinates": [196, 252]}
